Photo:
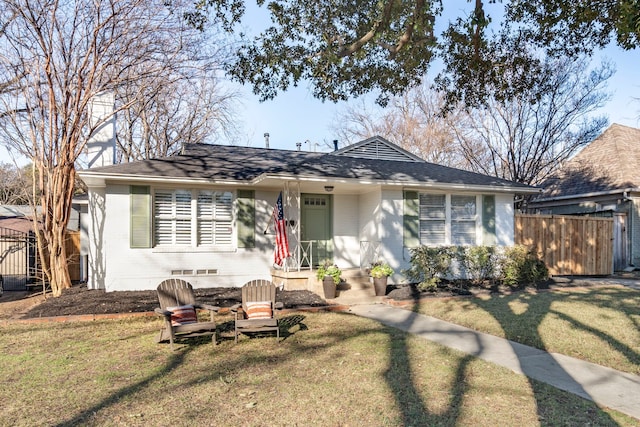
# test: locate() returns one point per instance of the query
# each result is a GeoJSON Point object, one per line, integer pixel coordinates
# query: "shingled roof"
{"type": "Point", "coordinates": [246, 164]}
{"type": "Point", "coordinates": [610, 163]}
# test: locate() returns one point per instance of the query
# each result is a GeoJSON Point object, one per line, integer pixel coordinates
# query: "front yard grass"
{"type": "Point", "coordinates": [331, 369]}
{"type": "Point", "coordinates": [599, 324]}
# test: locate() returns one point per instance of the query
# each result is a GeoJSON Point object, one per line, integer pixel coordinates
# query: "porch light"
{"type": "Point", "coordinates": [328, 188]}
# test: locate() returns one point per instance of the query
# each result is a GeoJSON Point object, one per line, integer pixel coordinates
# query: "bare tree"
{"type": "Point", "coordinates": [413, 121]}
{"type": "Point", "coordinates": [524, 141]}
{"type": "Point", "coordinates": [182, 104]}
{"type": "Point", "coordinates": [63, 53]}
{"type": "Point", "coordinates": [15, 184]}
{"type": "Point", "coordinates": [178, 111]}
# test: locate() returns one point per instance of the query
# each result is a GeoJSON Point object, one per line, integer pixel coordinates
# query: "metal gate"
{"type": "Point", "coordinates": [17, 258]}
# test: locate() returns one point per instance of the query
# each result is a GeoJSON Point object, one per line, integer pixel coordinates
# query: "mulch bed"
{"type": "Point", "coordinates": [80, 300]}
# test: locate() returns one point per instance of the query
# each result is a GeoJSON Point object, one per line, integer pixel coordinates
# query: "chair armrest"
{"type": "Point", "coordinates": [234, 308]}
{"type": "Point", "coordinates": [213, 308]}
{"type": "Point", "coordinates": [278, 305]}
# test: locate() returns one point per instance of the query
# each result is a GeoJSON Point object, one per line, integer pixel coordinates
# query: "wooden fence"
{"type": "Point", "coordinates": [569, 245]}
{"type": "Point", "coordinates": [72, 246]}
{"type": "Point", "coordinates": [72, 251]}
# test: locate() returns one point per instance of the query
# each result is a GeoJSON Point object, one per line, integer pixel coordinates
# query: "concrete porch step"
{"type": "Point", "coordinates": [356, 279]}
{"type": "Point", "coordinates": [356, 291]}
{"type": "Point", "coordinates": [356, 296]}
{"type": "Point", "coordinates": [356, 286]}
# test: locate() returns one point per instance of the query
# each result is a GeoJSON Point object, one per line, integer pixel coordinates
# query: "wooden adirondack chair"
{"type": "Point", "coordinates": [179, 308]}
{"type": "Point", "coordinates": [258, 309]}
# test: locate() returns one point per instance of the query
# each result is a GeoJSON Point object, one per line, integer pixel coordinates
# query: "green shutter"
{"type": "Point", "coordinates": [246, 219]}
{"type": "Point", "coordinates": [411, 219]}
{"type": "Point", "coordinates": [140, 218]}
{"type": "Point", "coordinates": [488, 220]}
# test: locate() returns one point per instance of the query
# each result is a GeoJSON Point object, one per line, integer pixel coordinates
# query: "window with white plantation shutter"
{"type": "Point", "coordinates": [432, 219]}
{"type": "Point", "coordinates": [181, 215]}
{"type": "Point", "coordinates": [172, 214]}
{"type": "Point", "coordinates": [215, 215]}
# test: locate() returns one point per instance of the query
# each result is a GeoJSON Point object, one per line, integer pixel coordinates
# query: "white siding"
{"type": "Point", "coordinates": [142, 269]}
{"type": "Point", "coordinates": [346, 231]}
{"type": "Point", "coordinates": [391, 232]}
{"type": "Point", "coordinates": [369, 208]}
{"type": "Point", "coordinates": [95, 231]}
{"type": "Point", "coordinates": [504, 220]}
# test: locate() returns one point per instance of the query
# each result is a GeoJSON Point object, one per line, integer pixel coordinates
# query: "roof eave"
{"type": "Point", "coordinates": [93, 179]}
{"type": "Point", "coordinates": [396, 183]}
{"type": "Point", "coordinates": [476, 188]}
{"type": "Point", "coordinates": [100, 179]}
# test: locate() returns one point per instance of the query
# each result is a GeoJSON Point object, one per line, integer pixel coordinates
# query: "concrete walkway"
{"type": "Point", "coordinates": [605, 386]}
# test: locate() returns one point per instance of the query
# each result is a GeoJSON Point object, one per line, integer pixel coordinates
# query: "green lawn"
{"type": "Point", "coordinates": [597, 324]}
{"type": "Point", "coordinates": [331, 369]}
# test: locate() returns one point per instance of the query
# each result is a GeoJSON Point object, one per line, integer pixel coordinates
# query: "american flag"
{"type": "Point", "coordinates": [282, 244]}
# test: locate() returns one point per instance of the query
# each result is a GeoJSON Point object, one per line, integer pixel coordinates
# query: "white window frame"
{"type": "Point", "coordinates": [221, 219]}
{"type": "Point", "coordinates": [449, 220]}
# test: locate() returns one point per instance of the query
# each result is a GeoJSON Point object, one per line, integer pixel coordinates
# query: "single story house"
{"type": "Point", "coordinates": [603, 179]}
{"type": "Point", "coordinates": [206, 214]}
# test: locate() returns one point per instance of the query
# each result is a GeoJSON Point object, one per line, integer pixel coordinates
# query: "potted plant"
{"type": "Point", "coordinates": [330, 274]}
{"type": "Point", "coordinates": [380, 271]}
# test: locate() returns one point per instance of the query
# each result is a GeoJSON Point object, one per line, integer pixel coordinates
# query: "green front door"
{"type": "Point", "coordinates": [315, 225]}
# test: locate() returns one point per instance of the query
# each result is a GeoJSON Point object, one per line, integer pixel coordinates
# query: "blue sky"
{"type": "Point", "coordinates": [295, 116]}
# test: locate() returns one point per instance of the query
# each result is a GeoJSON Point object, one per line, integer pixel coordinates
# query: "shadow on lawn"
{"type": "Point", "coordinates": [400, 378]}
{"type": "Point", "coordinates": [85, 416]}
{"type": "Point", "coordinates": [400, 375]}
{"type": "Point", "coordinates": [409, 399]}
{"type": "Point", "coordinates": [511, 322]}
{"type": "Point", "coordinates": [178, 358]}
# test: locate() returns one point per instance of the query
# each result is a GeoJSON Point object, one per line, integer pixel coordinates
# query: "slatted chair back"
{"type": "Point", "coordinates": [183, 322]}
{"type": "Point", "coordinates": [258, 290]}
{"type": "Point", "coordinates": [175, 292]}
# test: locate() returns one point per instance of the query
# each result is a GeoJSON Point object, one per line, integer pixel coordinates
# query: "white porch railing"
{"type": "Point", "coordinates": [369, 253]}
{"type": "Point", "coordinates": [303, 257]}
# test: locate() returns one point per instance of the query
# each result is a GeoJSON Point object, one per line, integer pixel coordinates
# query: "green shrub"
{"type": "Point", "coordinates": [478, 262]}
{"type": "Point", "coordinates": [429, 265]}
{"type": "Point", "coordinates": [520, 266]}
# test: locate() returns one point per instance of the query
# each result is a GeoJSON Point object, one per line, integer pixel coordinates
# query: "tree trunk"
{"type": "Point", "coordinates": [58, 267]}
{"type": "Point", "coordinates": [56, 207]}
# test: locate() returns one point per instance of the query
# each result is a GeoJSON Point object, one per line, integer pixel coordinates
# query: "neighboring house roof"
{"type": "Point", "coordinates": [610, 163]}
{"type": "Point", "coordinates": [22, 223]}
{"type": "Point", "coordinates": [19, 217]}
{"type": "Point", "coordinates": [247, 165]}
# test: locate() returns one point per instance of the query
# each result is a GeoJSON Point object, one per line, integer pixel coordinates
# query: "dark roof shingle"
{"type": "Point", "coordinates": [235, 163]}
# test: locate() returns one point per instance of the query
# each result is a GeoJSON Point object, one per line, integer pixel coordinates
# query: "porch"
{"type": "Point", "coordinates": [356, 286]}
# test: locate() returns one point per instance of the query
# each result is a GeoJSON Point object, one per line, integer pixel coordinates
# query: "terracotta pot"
{"type": "Point", "coordinates": [329, 287]}
{"type": "Point", "coordinates": [380, 285]}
